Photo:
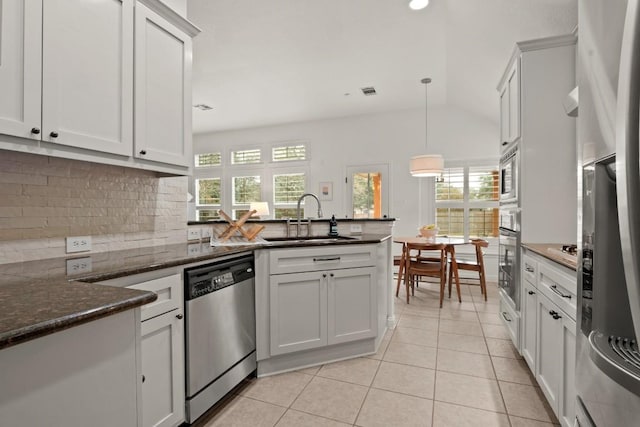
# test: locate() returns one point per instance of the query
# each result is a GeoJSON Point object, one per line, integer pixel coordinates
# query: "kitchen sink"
{"type": "Point", "coordinates": [309, 239]}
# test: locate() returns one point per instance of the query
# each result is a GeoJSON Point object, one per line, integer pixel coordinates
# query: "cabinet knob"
{"type": "Point", "coordinates": [35, 131]}
{"type": "Point", "coordinates": [143, 152]}
{"type": "Point", "coordinates": [331, 275]}
{"type": "Point", "coordinates": [324, 275]}
{"type": "Point", "coordinates": [179, 316]}
{"type": "Point", "coordinates": [504, 143]}
{"type": "Point", "coordinates": [143, 378]}
{"type": "Point", "coordinates": [53, 134]}
{"type": "Point", "coordinates": [531, 292]}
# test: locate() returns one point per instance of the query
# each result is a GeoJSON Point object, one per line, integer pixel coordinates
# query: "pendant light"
{"type": "Point", "coordinates": [418, 4]}
{"type": "Point", "coordinates": [426, 164]}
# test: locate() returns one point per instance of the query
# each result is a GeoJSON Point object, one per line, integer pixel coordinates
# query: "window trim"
{"type": "Point", "coordinates": [465, 203]}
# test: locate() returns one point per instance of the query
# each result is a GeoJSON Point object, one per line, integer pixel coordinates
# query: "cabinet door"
{"type": "Point", "coordinates": [87, 74]}
{"type": "Point", "coordinates": [162, 90]}
{"type": "Point", "coordinates": [20, 67]}
{"type": "Point", "coordinates": [504, 116]}
{"type": "Point", "coordinates": [162, 354]}
{"type": "Point", "coordinates": [351, 304]}
{"type": "Point", "coordinates": [529, 323]}
{"type": "Point", "coordinates": [549, 353]}
{"type": "Point", "coordinates": [298, 311]}
{"type": "Point", "coordinates": [514, 102]}
{"type": "Point", "coordinates": [567, 396]}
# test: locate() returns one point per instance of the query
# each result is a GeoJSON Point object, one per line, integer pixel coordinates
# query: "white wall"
{"type": "Point", "coordinates": [378, 138]}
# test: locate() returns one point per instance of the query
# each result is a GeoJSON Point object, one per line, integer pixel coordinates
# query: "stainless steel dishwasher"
{"type": "Point", "coordinates": [220, 330]}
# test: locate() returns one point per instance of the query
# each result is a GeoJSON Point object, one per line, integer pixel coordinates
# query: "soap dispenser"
{"type": "Point", "coordinates": [333, 226]}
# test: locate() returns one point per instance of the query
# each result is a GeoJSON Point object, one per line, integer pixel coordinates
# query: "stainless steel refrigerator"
{"type": "Point", "coordinates": [608, 362]}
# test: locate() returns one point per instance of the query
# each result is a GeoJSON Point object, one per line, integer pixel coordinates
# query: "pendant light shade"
{"type": "Point", "coordinates": [427, 164]}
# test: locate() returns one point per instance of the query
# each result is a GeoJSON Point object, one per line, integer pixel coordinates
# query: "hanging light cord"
{"type": "Point", "coordinates": [426, 82]}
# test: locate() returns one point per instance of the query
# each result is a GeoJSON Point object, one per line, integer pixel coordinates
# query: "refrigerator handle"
{"type": "Point", "coordinates": [627, 157]}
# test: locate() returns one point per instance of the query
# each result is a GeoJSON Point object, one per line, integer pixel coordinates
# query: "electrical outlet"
{"type": "Point", "coordinates": [193, 233]}
{"type": "Point", "coordinates": [194, 249]}
{"type": "Point", "coordinates": [78, 244]}
{"type": "Point", "coordinates": [79, 266]}
{"type": "Point", "coordinates": [355, 228]}
{"type": "Point", "coordinates": [206, 232]}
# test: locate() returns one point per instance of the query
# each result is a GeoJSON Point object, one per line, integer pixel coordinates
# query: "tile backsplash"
{"type": "Point", "coordinates": [45, 199]}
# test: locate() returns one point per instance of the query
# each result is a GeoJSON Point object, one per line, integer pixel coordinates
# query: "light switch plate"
{"type": "Point", "coordinates": [194, 249]}
{"type": "Point", "coordinates": [78, 244]}
{"type": "Point", "coordinates": [193, 233]}
{"type": "Point", "coordinates": [355, 228]}
{"type": "Point", "coordinates": [79, 266]}
{"type": "Point", "coordinates": [206, 232]}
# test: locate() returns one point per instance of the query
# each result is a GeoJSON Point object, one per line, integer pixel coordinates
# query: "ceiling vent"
{"type": "Point", "coordinates": [369, 91]}
{"type": "Point", "coordinates": [203, 107]}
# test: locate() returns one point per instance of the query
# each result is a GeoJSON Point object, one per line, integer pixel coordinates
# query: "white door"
{"type": "Point", "coordinates": [549, 354]}
{"type": "Point", "coordinates": [567, 397]}
{"type": "Point", "coordinates": [529, 323]}
{"type": "Point", "coordinates": [514, 102]}
{"type": "Point", "coordinates": [368, 191]}
{"type": "Point", "coordinates": [162, 90]}
{"type": "Point", "coordinates": [20, 67]}
{"type": "Point", "coordinates": [162, 354]}
{"type": "Point", "coordinates": [351, 304]}
{"type": "Point", "coordinates": [298, 311]}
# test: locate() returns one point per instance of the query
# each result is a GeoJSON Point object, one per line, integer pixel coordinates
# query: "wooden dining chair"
{"type": "Point", "coordinates": [477, 266]}
{"type": "Point", "coordinates": [424, 260]}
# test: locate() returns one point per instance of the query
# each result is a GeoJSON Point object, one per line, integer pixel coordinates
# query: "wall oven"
{"type": "Point", "coordinates": [509, 162]}
{"type": "Point", "coordinates": [509, 266]}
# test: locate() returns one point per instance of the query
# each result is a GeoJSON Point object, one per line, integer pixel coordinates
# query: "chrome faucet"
{"type": "Point", "coordinates": [300, 212]}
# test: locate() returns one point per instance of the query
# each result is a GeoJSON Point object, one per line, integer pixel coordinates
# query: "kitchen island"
{"type": "Point", "coordinates": [72, 344]}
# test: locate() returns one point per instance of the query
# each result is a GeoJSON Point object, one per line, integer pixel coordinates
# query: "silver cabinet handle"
{"type": "Point", "coordinates": [529, 269]}
{"type": "Point", "coordinates": [505, 317]}
{"type": "Point", "coordinates": [554, 288]}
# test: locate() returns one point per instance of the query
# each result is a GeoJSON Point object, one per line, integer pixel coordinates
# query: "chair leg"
{"type": "Point", "coordinates": [450, 278]}
{"type": "Point", "coordinates": [483, 284]}
{"type": "Point", "coordinates": [458, 289]}
{"type": "Point", "coordinates": [398, 288]}
{"type": "Point", "coordinates": [406, 283]}
{"type": "Point", "coordinates": [442, 287]}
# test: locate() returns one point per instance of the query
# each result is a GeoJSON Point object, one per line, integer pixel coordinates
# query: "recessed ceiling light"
{"type": "Point", "coordinates": [418, 4]}
{"type": "Point", "coordinates": [203, 107]}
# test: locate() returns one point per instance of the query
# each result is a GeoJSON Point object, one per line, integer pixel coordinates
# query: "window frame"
{"type": "Point", "coordinates": [466, 204]}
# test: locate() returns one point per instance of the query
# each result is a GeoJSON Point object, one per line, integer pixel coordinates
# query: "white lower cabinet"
{"type": "Point", "coordinates": [549, 331]}
{"type": "Point", "coordinates": [529, 323]}
{"type": "Point", "coordinates": [163, 370]}
{"type": "Point", "coordinates": [319, 308]}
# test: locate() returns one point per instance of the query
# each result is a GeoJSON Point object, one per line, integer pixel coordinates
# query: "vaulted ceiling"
{"type": "Point", "coordinates": [267, 62]}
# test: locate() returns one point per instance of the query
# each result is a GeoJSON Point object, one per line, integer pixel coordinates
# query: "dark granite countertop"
{"type": "Point", "coordinates": [39, 298]}
{"type": "Point", "coordinates": [553, 252]}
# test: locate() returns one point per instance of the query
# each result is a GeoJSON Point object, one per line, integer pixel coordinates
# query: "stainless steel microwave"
{"type": "Point", "coordinates": [509, 175]}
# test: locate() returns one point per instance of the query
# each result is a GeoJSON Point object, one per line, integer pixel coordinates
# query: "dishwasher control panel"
{"type": "Point", "coordinates": [203, 280]}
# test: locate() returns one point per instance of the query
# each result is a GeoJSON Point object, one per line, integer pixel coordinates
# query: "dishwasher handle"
{"type": "Point", "coordinates": [323, 259]}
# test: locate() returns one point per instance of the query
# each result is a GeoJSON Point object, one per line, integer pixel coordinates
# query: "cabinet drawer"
{"type": "Point", "coordinates": [167, 288]}
{"type": "Point", "coordinates": [529, 269]}
{"type": "Point", "coordinates": [511, 320]}
{"type": "Point", "coordinates": [559, 287]}
{"type": "Point", "coordinates": [296, 260]}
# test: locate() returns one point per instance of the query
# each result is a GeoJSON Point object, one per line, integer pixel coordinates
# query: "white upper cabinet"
{"type": "Point", "coordinates": [509, 90]}
{"type": "Point", "coordinates": [69, 80]}
{"type": "Point", "coordinates": [87, 74]}
{"type": "Point", "coordinates": [20, 65]}
{"type": "Point", "coordinates": [162, 89]}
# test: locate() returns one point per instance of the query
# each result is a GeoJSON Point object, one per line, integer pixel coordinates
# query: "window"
{"type": "Point", "coordinates": [467, 202]}
{"type": "Point", "coordinates": [367, 190]}
{"type": "Point", "coordinates": [208, 159]}
{"type": "Point", "coordinates": [245, 157]}
{"type": "Point", "coordinates": [245, 189]}
{"type": "Point", "coordinates": [208, 198]}
{"type": "Point", "coordinates": [288, 153]}
{"type": "Point", "coordinates": [287, 189]}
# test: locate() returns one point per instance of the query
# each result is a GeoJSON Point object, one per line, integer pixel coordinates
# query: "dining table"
{"type": "Point", "coordinates": [450, 248]}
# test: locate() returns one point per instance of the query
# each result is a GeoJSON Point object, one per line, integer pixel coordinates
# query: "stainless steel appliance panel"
{"type": "Point", "coordinates": [509, 170]}
{"type": "Point", "coordinates": [222, 328]}
{"type": "Point", "coordinates": [509, 266]}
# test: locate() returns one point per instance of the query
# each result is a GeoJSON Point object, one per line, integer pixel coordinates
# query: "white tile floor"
{"type": "Point", "coordinates": [453, 366]}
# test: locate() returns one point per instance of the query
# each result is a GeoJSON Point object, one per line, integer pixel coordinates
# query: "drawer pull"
{"type": "Point", "coordinates": [554, 288]}
{"type": "Point", "coordinates": [529, 269]}
{"type": "Point", "coordinates": [531, 293]}
{"type": "Point", "coordinates": [505, 317]}
{"type": "Point", "coordinates": [337, 258]}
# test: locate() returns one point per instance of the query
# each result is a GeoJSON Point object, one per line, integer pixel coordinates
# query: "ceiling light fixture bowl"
{"type": "Point", "coordinates": [426, 165]}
